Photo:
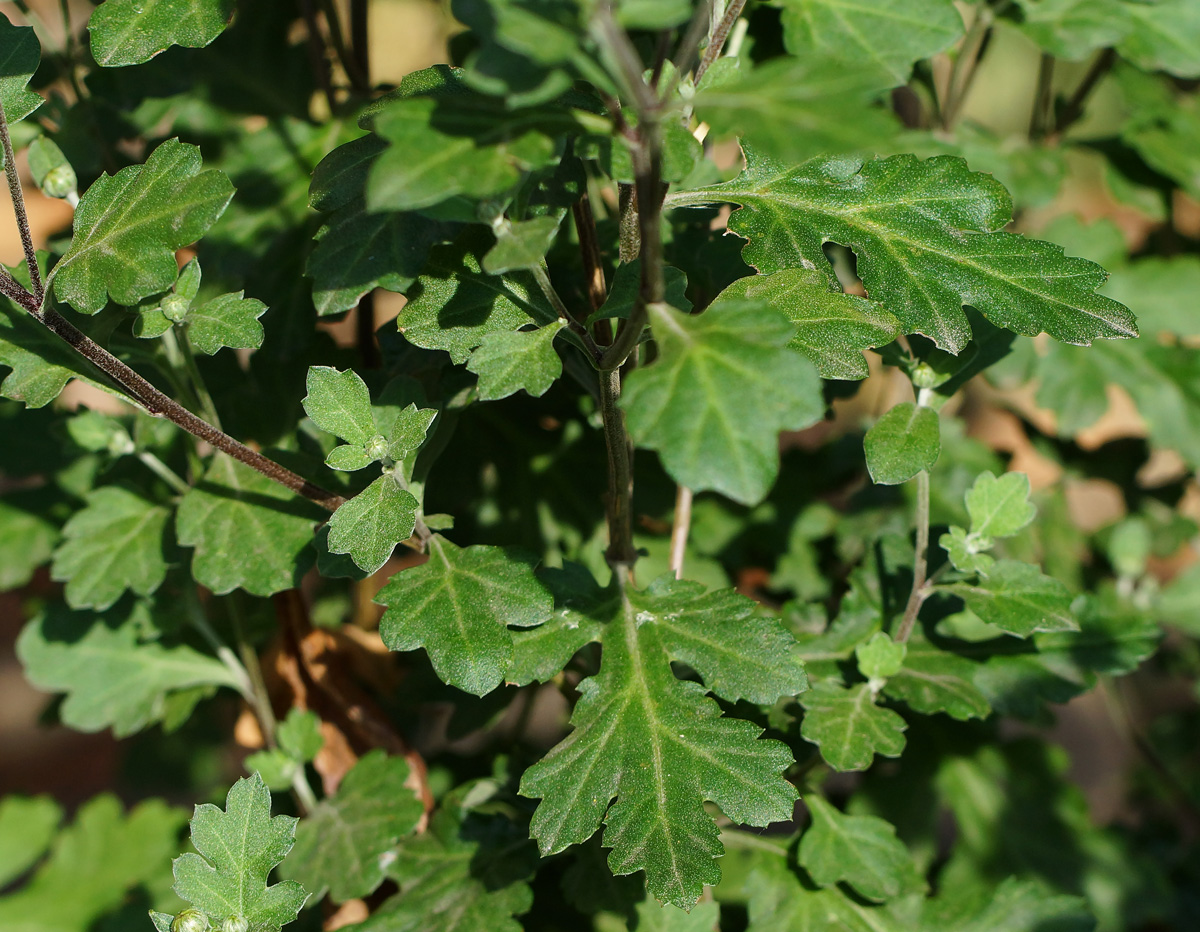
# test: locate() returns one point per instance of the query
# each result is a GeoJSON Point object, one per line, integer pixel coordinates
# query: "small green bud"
{"type": "Point", "coordinates": [60, 182]}
{"type": "Point", "coordinates": [175, 307]}
{"type": "Point", "coordinates": [190, 920]}
{"type": "Point", "coordinates": [235, 924]}
{"type": "Point", "coordinates": [50, 168]}
{"type": "Point", "coordinates": [377, 447]}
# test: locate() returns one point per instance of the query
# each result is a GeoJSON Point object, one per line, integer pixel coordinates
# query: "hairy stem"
{"type": "Point", "coordinates": [620, 472]}
{"type": "Point", "coordinates": [542, 275]}
{"type": "Point", "coordinates": [18, 203]}
{"type": "Point", "coordinates": [719, 34]}
{"type": "Point", "coordinates": [962, 73]}
{"type": "Point", "coordinates": [919, 593]}
{"type": "Point", "coordinates": [680, 528]}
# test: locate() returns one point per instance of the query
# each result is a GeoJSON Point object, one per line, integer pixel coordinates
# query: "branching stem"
{"type": "Point", "coordinates": [919, 593]}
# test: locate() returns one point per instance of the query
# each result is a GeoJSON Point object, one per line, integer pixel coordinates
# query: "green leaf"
{"type": "Point", "coordinates": [999, 507]}
{"type": "Point", "coordinates": [229, 320]}
{"type": "Point", "coordinates": [834, 328]}
{"type": "Point", "coordinates": [27, 536]}
{"type": "Point", "coordinates": [888, 35]}
{"type": "Point", "coordinates": [520, 244]}
{"type": "Point", "coordinates": [408, 430]}
{"type": "Point", "coordinates": [339, 403]}
{"type": "Point", "coordinates": [581, 606]}
{"type": "Point", "coordinates": [20, 55]}
{"type": "Point", "coordinates": [506, 363]}
{"type": "Point", "coordinates": [660, 746]}
{"type": "Point", "coordinates": [1165, 37]}
{"type": "Point", "coordinates": [863, 851]}
{"type": "Point", "coordinates": [299, 735]}
{"type": "Point", "coordinates": [934, 680]}
{"type": "Point", "coordinates": [796, 108]}
{"type": "Point", "coordinates": [238, 848]}
{"type": "Point", "coordinates": [1179, 602]}
{"type": "Point", "coordinates": [714, 401]}
{"type": "Point", "coordinates": [879, 657]}
{"type": "Point", "coordinates": [343, 846]}
{"type": "Point", "coordinates": [27, 826]}
{"type": "Point", "coordinates": [463, 875]}
{"type": "Point", "coordinates": [95, 864]}
{"type": "Point", "coordinates": [348, 457]}
{"type": "Point", "coordinates": [128, 226]}
{"type": "Point", "coordinates": [248, 531]}
{"type": "Point", "coordinates": [927, 237]}
{"type": "Point", "coordinates": [902, 443]}
{"type": "Point", "coordinates": [115, 543]}
{"type": "Point", "coordinates": [657, 917]}
{"type": "Point", "coordinates": [454, 304]}
{"type": "Point", "coordinates": [358, 251]}
{"type": "Point", "coordinates": [1073, 29]}
{"type": "Point", "coordinates": [1018, 905]}
{"type": "Point", "coordinates": [1017, 598]}
{"type": "Point", "coordinates": [848, 727]}
{"type": "Point", "coordinates": [129, 32]}
{"type": "Point", "coordinates": [369, 526]}
{"type": "Point", "coordinates": [110, 675]}
{"type": "Point", "coordinates": [459, 605]}
{"type": "Point", "coordinates": [627, 283]}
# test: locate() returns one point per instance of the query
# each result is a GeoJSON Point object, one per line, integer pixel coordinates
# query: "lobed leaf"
{"type": "Point", "coordinates": [339, 403]}
{"type": "Point", "coordinates": [509, 362]}
{"type": "Point", "coordinates": [863, 851]}
{"type": "Point", "coordinates": [848, 727]}
{"type": "Point", "coordinates": [1016, 597]}
{"type": "Point", "coordinates": [228, 320]}
{"type": "Point", "coordinates": [370, 525]}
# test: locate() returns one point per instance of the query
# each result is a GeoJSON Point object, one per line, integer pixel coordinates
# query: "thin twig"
{"type": "Point", "coordinates": [1040, 115]}
{"type": "Point", "coordinates": [164, 472]}
{"type": "Point", "coordinates": [962, 73]}
{"type": "Point", "coordinates": [360, 44]}
{"type": "Point", "coordinates": [717, 41]}
{"type": "Point", "coordinates": [316, 53]}
{"type": "Point", "coordinates": [18, 204]}
{"type": "Point", "coordinates": [680, 528]}
{"type": "Point", "coordinates": [919, 593]}
{"type": "Point", "coordinates": [542, 277]}
{"type": "Point", "coordinates": [593, 262]}
{"type": "Point", "coordinates": [1073, 109]}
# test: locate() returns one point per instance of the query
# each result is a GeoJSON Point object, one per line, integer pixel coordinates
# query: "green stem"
{"type": "Point", "coordinates": [542, 275]}
{"type": "Point", "coordinates": [620, 553]}
{"type": "Point", "coordinates": [717, 40]}
{"type": "Point", "coordinates": [199, 621]}
{"type": "Point", "coordinates": [919, 593]}
{"type": "Point", "coordinates": [1073, 109]}
{"type": "Point", "coordinates": [680, 528]}
{"type": "Point", "coordinates": [164, 472]}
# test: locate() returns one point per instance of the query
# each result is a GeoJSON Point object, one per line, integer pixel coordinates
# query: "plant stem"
{"type": "Point", "coordinates": [620, 551]}
{"type": "Point", "coordinates": [199, 621]}
{"type": "Point", "coordinates": [918, 594]}
{"type": "Point", "coordinates": [1073, 109]}
{"type": "Point", "coordinates": [164, 472]}
{"type": "Point", "coordinates": [360, 44]}
{"type": "Point", "coordinates": [1040, 117]}
{"type": "Point", "coordinates": [962, 73]}
{"type": "Point", "coordinates": [364, 332]}
{"type": "Point", "coordinates": [680, 528]}
{"type": "Point", "coordinates": [717, 40]}
{"type": "Point", "coordinates": [542, 275]}
{"type": "Point", "coordinates": [156, 403]}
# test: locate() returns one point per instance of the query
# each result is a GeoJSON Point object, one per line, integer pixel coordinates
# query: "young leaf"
{"type": "Point", "coordinates": [927, 237]}
{"type": "Point", "coordinates": [27, 826]}
{"type": "Point", "coordinates": [834, 328]}
{"type": "Point", "coordinates": [848, 727]}
{"type": "Point", "coordinates": [115, 543]}
{"type": "Point", "coordinates": [863, 851]}
{"type": "Point", "coordinates": [111, 677]}
{"type": "Point", "coordinates": [1017, 598]}
{"type": "Point", "coordinates": [879, 657]}
{"type": "Point", "coordinates": [458, 606]}
{"type": "Point", "coordinates": [95, 864]}
{"type": "Point", "coordinates": [369, 526]}
{"type": "Point", "coordinates": [999, 507]}
{"type": "Point", "coordinates": [228, 320]}
{"type": "Point", "coordinates": [339, 403]}
{"type": "Point", "coordinates": [520, 244]}
{"type": "Point", "coordinates": [660, 747]}
{"type": "Point", "coordinates": [767, 103]}
{"type": "Point", "coordinates": [506, 363]}
{"type": "Point", "coordinates": [20, 54]}
{"type": "Point", "coordinates": [933, 680]}
{"type": "Point", "coordinates": [903, 442]}
{"type": "Point", "coordinates": [238, 848]}
{"type": "Point", "coordinates": [407, 432]}
{"type": "Point", "coordinates": [299, 735]}
{"type": "Point", "coordinates": [1165, 37]}
{"type": "Point", "coordinates": [454, 304]}
{"type": "Point", "coordinates": [128, 226]}
{"type": "Point", "coordinates": [887, 34]}
{"type": "Point", "coordinates": [129, 32]}
{"type": "Point", "coordinates": [342, 847]}
{"type": "Point", "coordinates": [714, 401]}
{"type": "Point", "coordinates": [248, 531]}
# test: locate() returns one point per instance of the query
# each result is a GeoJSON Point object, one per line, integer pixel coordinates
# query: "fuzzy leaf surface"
{"type": "Point", "coordinates": [848, 727]}
{"type": "Point", "coordinates": [129, 32]}
{"type": "Point", "coordinates": [509, 362]}
{"type": "Point", "coordinates": [238, 847]}
{"type": "Point", "coordinates": [370, 525]}
{"type": "Point", "coordinates": [459, 605]}
{"type": "Point", "coordinates": [906, 440]}
{"type": "Point", "coordinates": [933, 680]}
{"type": "Point", "coordinates": [834, 328]}
{"type": "Point", "coordinates": [248, 531]}
{"type": "Point", "coordinates": [341, 846]}
{"type": "Point", "coordinates": [660, 747]}
{"type": "Point", "coordinates": [128, 226]}
{"type": "Point", "coordinates": [999, 507]}
{"type": "Point", "coordinates": [863, 851]}
{"type": "Point", "coordinates": [111, 677]}
{"type": "Point", "coordinates": [339, 403]}
{"type": "Point", "coordinates": [928, 239]}
{"type": "Point", "coordinates": [1016, 597]}
{"type": "Point", "coordinates": [20, 54]}
{"type": "Point", "coordinates": [113, 544]}
{"type": "Point", "coordinates": [455, 304]}
{"type": "Point", "coordinates": [714, 401]}
{"type": "Point", "coordinates": [888, 34]}
{"type": "Point", "coordinates": [227, 320]}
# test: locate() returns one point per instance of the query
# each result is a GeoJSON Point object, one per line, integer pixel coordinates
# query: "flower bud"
{"type": "Point", "coordinates": [190, 920]}
{"type": "Point", "coordinates": [235, 924]}
{"type": "Point", "coordinates": [175, 307]}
